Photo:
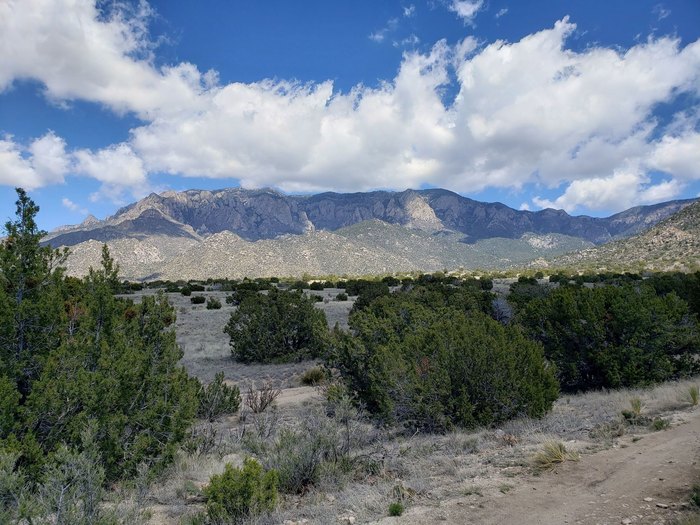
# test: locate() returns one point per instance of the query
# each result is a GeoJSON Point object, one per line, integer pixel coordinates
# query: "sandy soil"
{"type": "Point", "coordinates": [647, 481]}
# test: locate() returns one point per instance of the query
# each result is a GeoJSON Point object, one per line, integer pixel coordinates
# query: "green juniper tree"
{"type": "Point", "coordinates": [72, 355]}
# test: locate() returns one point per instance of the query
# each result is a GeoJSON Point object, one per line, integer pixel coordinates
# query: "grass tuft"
{"type": "Point", "coordinates": [693, 394]}
{"type": "Point", "coordinates": [636, 406]}
{"type": "Point", "coordinates": [660, 424]}
{"type": "Point", "coordinates": [552, 454]}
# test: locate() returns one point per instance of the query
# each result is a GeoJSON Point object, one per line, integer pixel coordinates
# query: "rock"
{"type": "Point", "coordinates": [347, 519]}
{"type": "Point", "coordinates": [648, 499]}
{"type": "Point", "coordinates": [662, 505]}
{"type": "Point", "coordinates": [626, 521]}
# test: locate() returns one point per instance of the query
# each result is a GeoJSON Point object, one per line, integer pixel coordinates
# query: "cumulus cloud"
{"type": "Point", "coordinates": [118, 168]}
{"type": "Point", "coordinates": [530, 111]}
{"type": "Point", "coordinates": [466, 9]}
{"type": "Point", "coordinates": [43, 162]}
{"type": "Point", "coordinates": [75, 53]}
{"type": "Point", "coordinates": [677, 155]}
{"type": "Point", "coordinates": [623, 189]}
{"type": "Point", "coordinates": [409, 11]}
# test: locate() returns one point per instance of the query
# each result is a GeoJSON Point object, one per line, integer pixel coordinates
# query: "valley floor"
{"type": "Point", "coordinates": [626, 473]}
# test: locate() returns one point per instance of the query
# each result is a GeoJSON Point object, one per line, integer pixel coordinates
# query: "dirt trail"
{"type": "Point", "coordinates": [608, 487]}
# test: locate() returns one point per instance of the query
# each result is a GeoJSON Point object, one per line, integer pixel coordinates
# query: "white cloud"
{"type": "Point", "coordinates": [530, 111]}
{"type": "Point", "coordinates": [44, 162]}
{"type": "Point", "coordinates": [466, 9]}
{"type": "Point", "coordinates": [623, 189]}
{"type": "Point", "coordinates": [118, 168]}
{"type": "Point", "coordinates": [677, 155]}
{"type": "Point", "coordinates": [72, 206]}
{"type": "Point", "coordinates": [501, 12]}
{"type": "Point", "coordinates": [379, 35]}
{"type": "Point", "coordinates": [410, 41]}
{"type": "Point", "coordinates": [409, 11]}
{"type": "Point", "coordinates": [661, 12]}
{"type": "Point", "coordinates": [76, 54]}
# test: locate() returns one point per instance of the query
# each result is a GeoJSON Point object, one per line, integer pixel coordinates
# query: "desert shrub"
{"type": "Point", "coordinates": [313, 376]}
{"type": "Point", "coordinates": [198, 299]}
{"type": "Point", "coordinates": [660, 423]}
{"type": "Point", "coordinates": [240, 493]}
{"type": "Point", "coordinates": [279, 326]}
{"type": "Point", "coordinates": [299, 285]}
{"type": "Point", "coordinates": [614, 336]}
{"type": "Point", "coordinates": [341, 297]}
{"type": "Point", "coordinates": [70, 491]}
{"type": "Point", "coordinates": [695, 495]}
{"type": "Point", "coordinates": [316, 285]}
{"type": "Point", "coordinates": [213, 303]}
{"type": "Point", "coordinates": [608, 431]}
{"type": "Point", "coordinates": [239, 294]}
{"type": "Point", "coordinates": [321, 446]}
{"type": "Point", "coordinates": [195, 287]}
{"type": "Point", "coordinates": [186, 291]}
{"type": "Point", "coordinates": [218, 399]}
{"type": "Point", "coordinates": [259, 399]}
{"type": "Point", "coordinates": [693, 394]}
{"type": "Point", "coordinates": [316, 298]}
{"type": "Point", "coordinates": [522, 292]}
{"type": "Point", "coordinates": [391, 280]}
{"type": "Point", "coordinates": [686, 286]}
{"type": "Point", "coordinates": [435, 368]}
{"type": "Point", "coordinates": [367, 291]}
{"type": "Point", "coordinates": [396, 508]}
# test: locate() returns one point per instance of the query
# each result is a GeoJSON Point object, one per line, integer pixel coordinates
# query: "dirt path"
{"type": "Point", "coordinates": [607, 487]}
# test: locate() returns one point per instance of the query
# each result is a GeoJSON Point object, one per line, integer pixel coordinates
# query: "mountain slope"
{"type": "Point", "coordinates": [672, 244]}
{"type": "Point", "coordinates": [236, 233]}
{"type": "Point", "coordinates": [370, 247]}
{"type": "Point", "coordinates": [266, 214]}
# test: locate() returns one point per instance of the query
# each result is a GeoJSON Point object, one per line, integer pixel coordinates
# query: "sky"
{"type": "Point", "coordinates": [587, 106]}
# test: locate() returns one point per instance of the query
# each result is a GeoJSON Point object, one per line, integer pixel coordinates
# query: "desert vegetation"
{"type": "Point", "coordinates": [427, 379]}
{"type": "Point", "coordinates": [90, 386]}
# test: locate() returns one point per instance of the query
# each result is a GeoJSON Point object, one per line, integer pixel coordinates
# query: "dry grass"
{"type": "Point", "coordinates": [425, 468]}
{"type": "Point", "coordinates": [553, 453]}
{"type": "Point", "coordinates": [257, 400]}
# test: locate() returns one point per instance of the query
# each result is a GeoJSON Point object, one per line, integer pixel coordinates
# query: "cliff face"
{"type": "Point", "coordinates": [236, 233]}
{"type": "Point", "coordinates": [266, 214]}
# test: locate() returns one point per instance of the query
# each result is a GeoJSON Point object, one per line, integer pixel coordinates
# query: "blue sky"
{"type": "Point", "coordinates": [592, 106]}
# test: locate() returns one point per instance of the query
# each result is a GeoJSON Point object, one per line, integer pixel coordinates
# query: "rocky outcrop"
{"type": "Point", "coordinates": [266, 214]}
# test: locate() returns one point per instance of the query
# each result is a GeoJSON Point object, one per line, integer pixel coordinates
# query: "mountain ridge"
{"type": "Point", "coordinates": [236, 233]}
{"type": "Point", "coordinates": [266, 214]}
{"type": "Point", "coordinates": [672, 244]}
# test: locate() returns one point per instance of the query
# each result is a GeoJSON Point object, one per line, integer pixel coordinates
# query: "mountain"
{"type": "Point", "coordinates": [266, 214]}
{"type": "Point", "coordinates": [671, 245]}
{"type": "Point", "coordinates": [239, 232]}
